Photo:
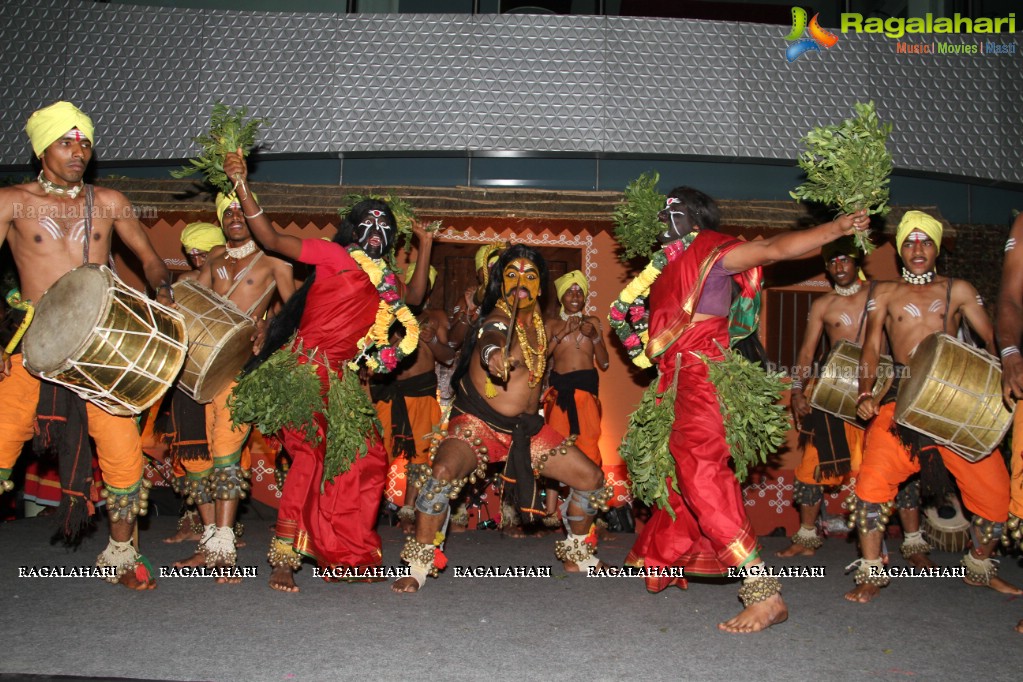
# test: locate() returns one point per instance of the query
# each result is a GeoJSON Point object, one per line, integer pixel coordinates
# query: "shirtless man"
{"type": "Point", "coordinates": [188, 418]}
{"type": "Point", "coordinates": [49, 232]}
{"type": "Point", "coordinates": [909, 310]}
{"type": "Point", "coordinates": [1009, 331]}
{"type": "Point", "coordinates": [571, 404]}
{"type": "Point", "coordinates": [407, 427]}
{"type": "Point", "coordinates": [243, 274]}
{"type": "Point", "coordinates": [839, 315]}
{"type": "Point", "coordinates": [505, 363]}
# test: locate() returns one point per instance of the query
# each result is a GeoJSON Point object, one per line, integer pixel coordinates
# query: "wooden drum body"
{"type": "Point", "coordinates": [105, 341]}
{"type": "Point", "coordinates": [836, 389]}
{"type": "Point", "coordinates": [219, 340]}
{"type": "Point", "coordinates": [954, 395]}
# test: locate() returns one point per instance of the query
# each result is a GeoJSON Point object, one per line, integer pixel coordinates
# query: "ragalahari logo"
{"type": "Point", "coordinates": [819, 37]}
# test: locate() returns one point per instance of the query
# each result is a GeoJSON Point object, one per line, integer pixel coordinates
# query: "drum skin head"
{"type": "Point", "coordinates": [65, 319]}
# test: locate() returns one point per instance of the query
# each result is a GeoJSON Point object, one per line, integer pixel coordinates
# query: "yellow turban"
{"type": "Point", "coordinates": [918, 220]}
{"type": "Point", "coordinates": [49, 124]}
{"type": "Point", "coordinates": [412, 269]}
{"type": "Point", "coordinates": [485, 253]}
{"type": "Point", "coordinates": [565, 282]}
{"type": "Point", "coordinates": [225, 200]}
{"type": "Point", "coordinates": [202, 237]}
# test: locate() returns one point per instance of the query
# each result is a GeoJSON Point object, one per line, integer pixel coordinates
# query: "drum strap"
{"type": "Point", "coordinates": [89, 202]}
{"type": "Point", "coordinates": [241, 275]}
{"type": "Point", "coordinates": [863, 313]}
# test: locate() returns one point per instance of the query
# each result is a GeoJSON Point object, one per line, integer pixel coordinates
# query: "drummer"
{"type": "Point", "coordinates": [1010, 335]}
{"type": "Point", "coordinates": [832, 447]}
{"type": "Point", "coordinates": [909, 310]}
{"type": "Point", "coordinates": [51, 233]}
{"type": "Point", "coordinates": [188, 438]}
{"type": "Point", "coordinates": [242, 273]}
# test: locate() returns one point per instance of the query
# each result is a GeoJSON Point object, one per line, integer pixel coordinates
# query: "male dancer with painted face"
{"type": "Point", "coordinates": [692, 311]}
{"type": "Point", "coordinates": [1009, 332]}
{"type": "Point", "coordinates": [571, 405]}
{"type": "Point", "coordinates": [833, 448]}
{"type": "Point", "coordinates": [909, 310]}
{"type": "Point", "coordinates": [50, 233]}
{"type": "Point", "coordinates": [494, 417]}
{"type": "Point", "coordinates": [241, 273]}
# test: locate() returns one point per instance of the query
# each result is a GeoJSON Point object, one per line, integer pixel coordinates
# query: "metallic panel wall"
{"type": "Point", "coordinates": [338, 83]}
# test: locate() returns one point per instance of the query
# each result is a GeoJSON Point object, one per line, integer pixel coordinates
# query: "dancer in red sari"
{"type": "Point", "coordinates": [691, 311]}
{"type": "Point", "coordinates": [332, 311]}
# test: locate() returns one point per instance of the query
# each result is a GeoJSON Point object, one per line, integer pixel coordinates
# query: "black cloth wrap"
{"type": "Point", "coordinates": [827, 433]}
{"type": "Point", "coordinates": [566, 385]}
{"type": "Point", "coordinates": [62, 425]}
{"type": "Point", "coordinates": [935, 481]}
{"type": "Point", "coordinates": [525, 492]}
{"type": "Point", "coordinates": [188, 424]}
{"type": "Point", "coordinates": [395, 391]}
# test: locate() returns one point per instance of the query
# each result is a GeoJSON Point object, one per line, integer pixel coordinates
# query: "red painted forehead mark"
{"type": "Point", "coordinates": [671, 200]}
{"type": "Point", "coordinates": [375, 213]}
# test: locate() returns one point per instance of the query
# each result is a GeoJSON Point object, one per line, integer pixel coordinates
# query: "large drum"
{"type": "Point", "coordinates": [836, 389]}
{"type": "Point", "coordinates": [219, 340]}
{"type": "Point", "coordinates": [105, 341]}
{"type": "Point", "coordinates": [954, 395]}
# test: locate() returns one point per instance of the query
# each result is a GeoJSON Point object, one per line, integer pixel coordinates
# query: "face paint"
{"type": "Point", "coordinates": [521, 280]}
{"type": "Point", "coordinates": [374, 233]}
{"type": "Point", "coordinates": [678, 222]}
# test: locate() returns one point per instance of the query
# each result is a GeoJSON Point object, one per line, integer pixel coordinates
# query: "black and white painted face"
{"type": "Point", "coordinates": [375, 233]}
{"type": "Point", "coordinates": [678, 222]}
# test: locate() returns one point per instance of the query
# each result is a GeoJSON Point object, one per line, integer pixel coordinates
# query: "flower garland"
{"type": "Point", "coordinates": [382, 357]}
{"type": "Point", "coordinates": [629, 314]}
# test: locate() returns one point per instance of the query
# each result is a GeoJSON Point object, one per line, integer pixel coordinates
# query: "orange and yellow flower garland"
{"type": "Point", "coordinates": [382, 357]}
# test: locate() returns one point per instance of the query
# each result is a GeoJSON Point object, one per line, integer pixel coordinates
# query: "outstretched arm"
{"type": "Point", "coordinates": [417, 288]}
{"type": "Point", "coordinates": [259, 223]}
{"type": "Point", "coordinates": [792, 244]}
{"type": "Point", "coordinates": [1009, 330]}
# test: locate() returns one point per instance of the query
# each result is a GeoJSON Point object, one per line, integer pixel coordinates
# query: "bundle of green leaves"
{"type": "Point", "coordinates": [848, 167]}
{"type": "Point", "coordinates": [350, 417]}
{"type": "Point", "coordinates": [749, 395]}
{"type": "Point", "coordinates": [644, 447]}
{"type": "Point", "coordinates": [228, 132]}
{"type": "Point", "coordinates": [636, 224]}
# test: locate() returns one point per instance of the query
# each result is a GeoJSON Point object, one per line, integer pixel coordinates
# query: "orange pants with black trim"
{"type": "Point", "coordinates": [1016, 465]}
{"type": "Point", "coordinates": [588, 408]}
{"type": "Point", "coordinates": [226, 441]}
{"type": "Point", "coordinates": [423, 414]}
{"type": "Point", "coordinates": [854, 436]}
{"type": "Point", "coordinates": [118, 442]}
{"type": "Point", "coordinates": [886, 463]}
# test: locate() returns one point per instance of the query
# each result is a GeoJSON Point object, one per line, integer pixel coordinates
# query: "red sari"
{"type": "Point", "coordinates": [335, 527]}
{"type": "Point", "coordinates": [710, 531]}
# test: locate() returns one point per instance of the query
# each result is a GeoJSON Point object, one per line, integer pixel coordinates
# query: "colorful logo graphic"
{"type": "Point", "coordinates": [819, 37]}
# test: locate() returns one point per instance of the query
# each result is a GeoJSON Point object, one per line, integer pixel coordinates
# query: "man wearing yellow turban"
{"type": "Point", "coordinates": [907, 312]}
{"type": "Point", "coordinates": [572, 404]}
{"type": "Point", "coordinates": [48, 242]}
{"type": "Point", "coordinates": [240, 272]}
{"type": "Point", "coordinates": [198, 239]}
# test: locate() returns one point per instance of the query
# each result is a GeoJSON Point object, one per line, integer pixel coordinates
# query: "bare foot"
{"type": "Point", "coordinates": [757, 617]}
{"type": "Point", "coordinates": [456, 528]}
{"type": "Point", "coordinates": [795, 549]}
{"type": "Point", "coordinates": [405, 585]}
{"type": "Point", "coordinates": [282, 579]}
{"type": "Point", "coordinates": [184, 532]}
{"type": "Point", "coordinates": [996, 584]}
{"type": "Point", "coordinates": [920, 560]}
{"type": "Point", "coordinates": [1019, 626]}
{"type": "Point", "coordinates": [514, 532]}
{"type": "Point", "coordinates": [227, 579]}
{"type": "Point", "coordinates": [861, 594]}
{"type": "Point", "coordinates": [132, 583]}
{"type": "Point", "coordinates": [196, 559]}
{"type": "Point", "coordinates": [604, 534]}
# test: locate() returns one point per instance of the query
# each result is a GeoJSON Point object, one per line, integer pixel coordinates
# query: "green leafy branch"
{"type": "Point", "coordinates": [350, 417]}
{"type": "Point", "coordinates": [644, 447]}
{"type": "Point", "coordinates": [748, 395]}
{"type": "Point", "coordinates": [848, 166]}
{"type": "Point", "coordinates": [636, 224]}
{"type": "Point", "coordinates": [228, 132]}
